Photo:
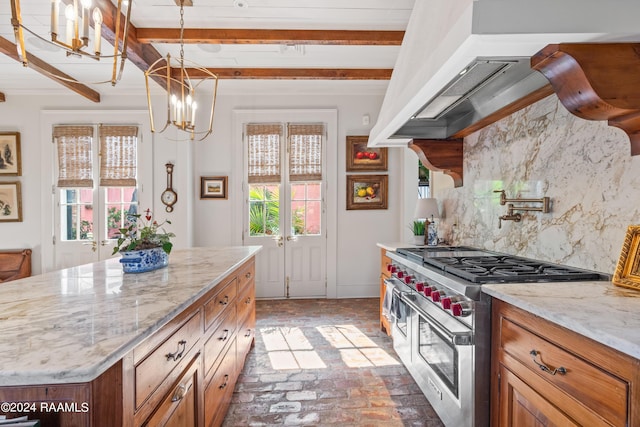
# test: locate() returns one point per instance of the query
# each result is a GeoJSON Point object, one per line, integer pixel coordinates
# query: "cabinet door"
{"type": "Point", "coordinates": [180, 408]}
{"type": "Point", "coordinates": [522, 406]}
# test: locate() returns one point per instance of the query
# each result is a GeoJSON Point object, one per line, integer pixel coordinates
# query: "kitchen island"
{"type": "Point", "coordinates": [129, 349]}
{"type": "Point", "coordinates": [565, 354]}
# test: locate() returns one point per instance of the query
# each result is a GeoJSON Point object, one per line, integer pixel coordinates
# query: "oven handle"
{"type": "Point", "coordinates": [456, 338]}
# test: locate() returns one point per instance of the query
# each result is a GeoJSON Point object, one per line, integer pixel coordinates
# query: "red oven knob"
{"type": "Point", "coordinates": [435, 295]}
{"type": "Point", "coordinates": [427, 291]}
{"type": "Point", "coordinates": [389, 267]}
{"type": "Point", "coordinates": [408, 279]}
{"type": "Point", "coordinates": [460, 309]}
{"type": "Point", "coordinates": [446, 303]}
{"type": "Point", "coordinates": [400, 274]}
{"type": "Point", "coordinates": [420, 286]}
{"type": "Point", "coordinates": [393, 268]}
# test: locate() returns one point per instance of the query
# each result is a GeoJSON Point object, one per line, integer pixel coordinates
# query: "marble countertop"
{"type": "Point", "coordinates": [601, 311]}
{"type": "Point", "coordinates": [71, 325]}
{"type": "Point", "coordinates": [395, 245]}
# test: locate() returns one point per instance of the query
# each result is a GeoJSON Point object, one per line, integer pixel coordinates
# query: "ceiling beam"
{"type": "Point", "coordinates": [292, 73]}
{"type": "Point", "coordinates": [140, 54]}
{"type": "Point", "coordinates": [2, 98]}
{"type": "Point", "coordinates": [244, 36]}
{"type": "Point", "coordinates": [10, 49]}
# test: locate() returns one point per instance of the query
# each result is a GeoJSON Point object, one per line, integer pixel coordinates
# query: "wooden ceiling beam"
{"type": "Point", "coordinates": [2, 97]}
{"type": "Point", "coordinates": [10, 49]}
{"type": "Point", "coordinates": [292, 73]}
{"type": "Point", "coordinates": [142, 55]}
{"type": "Point", "coordinates": [245, 36]}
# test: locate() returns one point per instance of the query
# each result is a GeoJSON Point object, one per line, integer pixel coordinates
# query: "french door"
{"type": "Point", "coordinates": [95, 192]}
{"type": "Point", "coordinates": [284, 208]}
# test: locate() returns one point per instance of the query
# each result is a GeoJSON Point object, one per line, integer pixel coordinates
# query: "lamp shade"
{"type": "Point", "coordinates": [426, 208]}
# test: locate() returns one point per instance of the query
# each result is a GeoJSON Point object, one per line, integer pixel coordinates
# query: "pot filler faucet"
{"type": "Point", "coordinates": [512, 215]}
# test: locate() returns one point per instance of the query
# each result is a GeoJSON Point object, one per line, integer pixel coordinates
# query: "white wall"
{"type": "Point", "coordinates": [204, 222]}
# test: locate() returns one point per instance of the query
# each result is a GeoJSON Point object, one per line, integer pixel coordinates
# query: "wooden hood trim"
{"type": "Point", "coordinates": [443, 155]}
{"type": "Point", "coordinates": [596, 81]}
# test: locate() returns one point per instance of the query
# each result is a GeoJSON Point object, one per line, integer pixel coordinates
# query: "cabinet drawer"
{"type": "Point", "coordinates": [246, 335]}
{"type": "Point", "coordinates": [246, 275]}
{"type": "Point", "coordinates": [217, 394]}
{"type": "Point", "coordinates": [222, 335]}
{"type": "Point", "coordinates": [585, 382]}
{"type": "Point", "coordinates": [223, 299]}
{"type": "Point", "coordinates": [158, 364]}
{"type": "Point", "coordinates": [179, 408]}
{"type": "Point", "coordinates": [384, 262]}
{"type": "Point", "coordinates": [246, 302]}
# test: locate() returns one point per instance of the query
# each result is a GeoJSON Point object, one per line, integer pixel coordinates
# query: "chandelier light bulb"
{"type": "Point", "coordinates": [97, 26]}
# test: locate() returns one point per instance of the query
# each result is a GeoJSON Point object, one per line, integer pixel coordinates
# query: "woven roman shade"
{"type": "Point", "coordinates": [264, 140]}
{"type": "Point", "coordinates": [75, 157]}
{"type": "Point", "coordinates": [118, 151]}
{"type": "Point", "coordinates": [305, 152]}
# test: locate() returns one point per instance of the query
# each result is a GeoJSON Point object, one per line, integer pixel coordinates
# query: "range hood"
{"type": "Point", "coordinates": [463, 60]}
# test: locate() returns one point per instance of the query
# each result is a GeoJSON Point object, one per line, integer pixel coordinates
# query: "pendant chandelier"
{"type": "Point", "coordinates": [76, 29]}
{"type": "Point", "coordinates": [182, 91]}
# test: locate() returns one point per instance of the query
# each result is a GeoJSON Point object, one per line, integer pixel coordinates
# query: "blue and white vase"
{"type": "Point", "coordinates": [432, 234]}
{"type": "Point", "coordinates": [143, 260]}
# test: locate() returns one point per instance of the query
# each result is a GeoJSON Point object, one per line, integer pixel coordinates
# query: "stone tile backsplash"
{"type": "Point", "coordinates": [585, 167]}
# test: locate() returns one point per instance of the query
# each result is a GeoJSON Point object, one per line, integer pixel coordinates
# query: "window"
{"type": "Point", "coordinates": [115, 174]}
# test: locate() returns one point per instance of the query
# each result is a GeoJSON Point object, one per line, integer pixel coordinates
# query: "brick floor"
{"type": "Point", "coordinates": [325, 362]}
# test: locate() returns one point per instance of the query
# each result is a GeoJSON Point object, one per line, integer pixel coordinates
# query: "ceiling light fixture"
{"type": "Point", "coordinates": [76, 29]}
{"type": "Point", "coordinates": [181, 92]}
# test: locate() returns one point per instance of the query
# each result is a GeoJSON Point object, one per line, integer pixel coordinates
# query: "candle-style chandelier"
{"type": "Point", "coordinates": [181, 91]}
{"type": "Point", "coordinates": [76, 30]}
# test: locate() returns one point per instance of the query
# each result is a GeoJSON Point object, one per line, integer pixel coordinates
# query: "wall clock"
{"type": "Point", "coordinates": [169, 197]}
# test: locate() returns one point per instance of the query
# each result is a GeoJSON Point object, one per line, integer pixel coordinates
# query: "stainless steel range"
{"type": "Point", "coordinates": [441, 321]}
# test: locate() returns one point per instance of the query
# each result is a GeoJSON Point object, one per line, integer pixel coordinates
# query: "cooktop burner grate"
{"type": "Point", "coordinates": [480, 266]}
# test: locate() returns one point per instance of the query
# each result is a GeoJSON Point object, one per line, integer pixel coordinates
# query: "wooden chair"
{"type": "Point", "coordinates": [15, 264]}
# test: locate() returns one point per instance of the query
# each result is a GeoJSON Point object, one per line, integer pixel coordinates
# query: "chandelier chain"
{"type": "Point", "coordinates": [182, 31]}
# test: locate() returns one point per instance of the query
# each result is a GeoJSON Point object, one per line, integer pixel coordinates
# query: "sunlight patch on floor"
{"type": "Point", "coordinates": [289, 348]}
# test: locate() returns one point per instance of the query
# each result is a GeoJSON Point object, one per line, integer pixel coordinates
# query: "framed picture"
{"type": "Point", "coordinates": [213, 187]}
{"type": "Point", "coordinates": [361, 158]}
{"type": "Point", "coordinates": [627, 272]}
{"type": "Point", "coordinates": [10, 154]}
{"type": "Point", "coordinates": [10, 202]}
{"type": "Point", "coordinates": [367, 191]}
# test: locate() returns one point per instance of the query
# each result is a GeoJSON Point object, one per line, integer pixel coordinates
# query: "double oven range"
{"type": "Point", "coordinates": [441, 321]}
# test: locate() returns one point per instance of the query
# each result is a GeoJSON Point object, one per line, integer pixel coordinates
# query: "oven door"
{"type": "Point", "coordinates": [400, 315]}
{"type": "Point", "coordinates": [442, 363]}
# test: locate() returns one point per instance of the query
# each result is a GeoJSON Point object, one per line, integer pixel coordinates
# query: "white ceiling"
{"type": "Point", "coordinates": [258, 14]}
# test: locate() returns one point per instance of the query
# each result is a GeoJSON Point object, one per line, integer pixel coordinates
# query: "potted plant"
{"type": "Point", "coordinates": [417, 227]}
{"type": "Point", "coordinates": [143, 244]}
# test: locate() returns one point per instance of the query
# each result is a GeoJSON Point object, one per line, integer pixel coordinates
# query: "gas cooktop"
{"type": "Point", "coordinates": [481, 266]}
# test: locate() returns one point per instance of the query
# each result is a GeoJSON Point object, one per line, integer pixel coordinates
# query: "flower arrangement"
{"type": "Point", "coordinates": [142, 232]}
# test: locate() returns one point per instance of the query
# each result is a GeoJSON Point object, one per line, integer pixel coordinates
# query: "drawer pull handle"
{"type": "Point", "coordinates": [224, 384]}
{"type": "Point", "coordinates": [178, 354]}
{"type": "Point", "coordinates": [247, 276]}
{"type": "Point", "coordinates": [560, 370]}
{"type": "Point", "coordinates": [248, 334]}
{"type": "Point", "coordinates": [248, 301]}
{"type": "Point", "coordinates": [225, 336]}
{"type": "Point", "coordinates": [180, 392]}
{"type": "Point", "coordinates": [225, 301]}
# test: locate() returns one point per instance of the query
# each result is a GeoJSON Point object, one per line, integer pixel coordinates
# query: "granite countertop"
{"type": "Point", "coordinates": [601, 311]}
{"type": "Point", "coordinates": [71, 325]}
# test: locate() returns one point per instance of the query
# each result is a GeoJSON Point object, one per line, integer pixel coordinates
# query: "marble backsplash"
{"type": "Point", "coordinates": [586, 169]}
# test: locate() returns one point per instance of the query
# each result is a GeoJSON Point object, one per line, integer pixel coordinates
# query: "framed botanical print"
{"type": "Point", "coordinates": [361, 158]}
{"type": "Point", "coordinates": [10, 162]}
{"type": "Point", "coordinates": [10, 202]}
{"type": "Point", "coordinates": [367, 191]}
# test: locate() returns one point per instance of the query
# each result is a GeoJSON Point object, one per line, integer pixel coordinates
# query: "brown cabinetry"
{"type": "Point", "coordinates": [183, 374]}
{"type": "Point", "coordinates": [384, 274]}
{"type": "Point", "coordinates": [546, 375]}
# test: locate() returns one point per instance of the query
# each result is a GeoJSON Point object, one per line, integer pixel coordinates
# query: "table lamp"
{"type": "Point", "coordinates": [427, 209]}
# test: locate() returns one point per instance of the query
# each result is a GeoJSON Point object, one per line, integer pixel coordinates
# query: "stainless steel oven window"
{"type": "Point", "coordinates": [439, 352]}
